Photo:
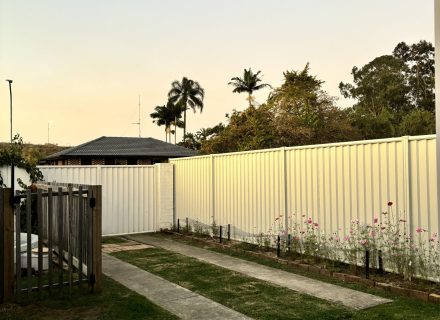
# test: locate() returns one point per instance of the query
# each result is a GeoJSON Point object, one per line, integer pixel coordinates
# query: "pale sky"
{"type": "Point", "coordinates": [83, 64]}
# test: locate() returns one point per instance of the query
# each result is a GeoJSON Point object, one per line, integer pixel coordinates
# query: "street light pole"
{"type": "Point", "coordinates": [10, 104]}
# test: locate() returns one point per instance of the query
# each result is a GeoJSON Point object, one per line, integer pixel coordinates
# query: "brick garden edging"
{"type": "Point", "coordinates": [416, 294]}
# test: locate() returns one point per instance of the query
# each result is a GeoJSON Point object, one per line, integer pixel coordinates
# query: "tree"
{"type": "Point", "coordinates": [390, 88]}
{"type": "Point", "coordinates": [305, 114]}
{"type": "Point", "coordinates": [249, 83]}
{"type": "Point", "coordinates": [250, 129]}
{"type": "Point", "coordinates": [187, 94]}
{"type": "Point", "coordinates": [297, 113]}
{"type": "Point", "coordinates": [167, 115]}
{"type": "Point", "coordinates": [420, 72]}
{"type": "Point", "coordinates": [417, 122]}
{"type": "Point", "coordinates": [379, 85]}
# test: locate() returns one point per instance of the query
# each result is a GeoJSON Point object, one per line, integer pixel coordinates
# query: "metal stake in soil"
{"type": "Point", "coordinates": [278, 247]}
{"type": "Point", "coordinates": [367, 264]}
{"type": "Point", "coordinates": [221, 232]}
{"type": "Point", "coordinates": [187, 225]}
{"type": "Point", "coordinates": [380, 262]}
{"type": "Point", "coordinates": [229, 232]}
{"type": "Point", "coordinates": [178, 225]}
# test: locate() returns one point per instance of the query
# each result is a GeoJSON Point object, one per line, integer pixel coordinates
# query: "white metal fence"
{"type": "Point", "coordinates": [132, 200]}
{"type": "Point", "coordinates": [332, 183]}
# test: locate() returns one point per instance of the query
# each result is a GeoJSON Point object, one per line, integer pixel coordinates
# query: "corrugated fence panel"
{"type": "Point", "coordinates": [128, 194]}
{"type": "Point", "coordinates": [422, 190]}
{"type": "Point", "coordinates": [248, 191]}
{"type": "Point", "coordinates": [193, 186]}
{"type": "Point", "coordinates": [333, 184]}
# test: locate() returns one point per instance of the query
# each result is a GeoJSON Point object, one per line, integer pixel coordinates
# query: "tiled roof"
{"type": "Point", "coordinates": [125, 147]}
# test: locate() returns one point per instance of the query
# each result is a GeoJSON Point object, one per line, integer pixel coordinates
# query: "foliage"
{"type": "Point", "coordinates": [390, 88]}
{"type": "Point", "coordinates": [249, 83]}
{"type": "Point", "coordinates": [306, 114]}
{"type": "Point", "coordinates": [297, 113]}
{"type": "Point", "coordinates": [419, 61]}
{"type": "Point", "coordinates": [417, 122]}
{"type": "Point", "coordinates": [12, 154]}
{"type": "Point", "coordinates": [187, 94]}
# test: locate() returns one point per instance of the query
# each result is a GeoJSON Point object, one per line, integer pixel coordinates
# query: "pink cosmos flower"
{"type": "Point", "coordinates": [309, 221]}
{"type": "Point", "coordinates": [316, 224]}
{"type": "Point", "coordinates": [375, 220]}
{"type": "Point", "coordinates": [363, 241]}
{"type": "Point", "coordinates": [419, 230]}
{"type": "Point", "coordinates": [347, 238]}
{"type": "Point", "coordinates": [337, 239]}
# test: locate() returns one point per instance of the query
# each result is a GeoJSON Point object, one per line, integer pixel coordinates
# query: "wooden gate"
{"type": "Point", "coordinates": [58, 237]}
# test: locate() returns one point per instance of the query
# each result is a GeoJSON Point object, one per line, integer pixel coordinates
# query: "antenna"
{"type": "Point", "coordinates": [139, 118]}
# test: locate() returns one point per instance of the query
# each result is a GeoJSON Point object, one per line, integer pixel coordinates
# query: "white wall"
{"type": "Point", "coordinates": [19, 174]}
{"type": "Point", "coordinates": [134, 198]}
{"type": "Point", "coordinates": [332, 183]}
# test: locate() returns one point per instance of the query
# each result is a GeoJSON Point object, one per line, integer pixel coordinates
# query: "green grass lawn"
{"type": "Point", "coordinates": [112, 240]}
{"type": "Point", "coordinates": [114, 302]}
{"type": "Point", "coordinates": [261, 300]}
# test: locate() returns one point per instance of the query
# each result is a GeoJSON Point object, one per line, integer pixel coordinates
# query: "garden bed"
{"type": "Point", "coordinates": [417, 288]}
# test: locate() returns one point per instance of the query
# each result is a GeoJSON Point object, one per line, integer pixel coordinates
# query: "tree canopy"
{"type": "Point", "coordinates": [390, 88]}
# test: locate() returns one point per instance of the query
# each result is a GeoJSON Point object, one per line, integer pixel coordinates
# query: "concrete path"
{"type": "Point", "coordinates": [179, 301]}
{"type": "Point", "coordinates": [347, 297]}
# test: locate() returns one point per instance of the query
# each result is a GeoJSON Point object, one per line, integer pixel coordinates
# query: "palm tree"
{"type": "Point", "coordinates": [187, 94]}
{"type": "Point", "coordinates": [249, 84]}
{"type": "Point", "coordinates": [168, 115]}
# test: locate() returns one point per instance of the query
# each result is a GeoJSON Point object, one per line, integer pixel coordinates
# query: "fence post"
{"type": "Point", "coordinates": [6, 246]}
{"type": "Point", "coordinates": [221, 233]}
{"type": "Point", "coordinates": [229, 232]}
{"type": "Point", "coordinates": [212, 189]}
{"type": "Point", "coordinates": [407, 178]}
{"type": "Point", "coordinates": [284, 179]}
{"type": "Point", "coordinates": [97, 234]}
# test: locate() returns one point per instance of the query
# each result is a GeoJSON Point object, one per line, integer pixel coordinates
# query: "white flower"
{"type": "Point", "coordinates": [410, 263]}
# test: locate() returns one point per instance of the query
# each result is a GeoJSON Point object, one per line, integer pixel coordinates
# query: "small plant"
{"type": "Point", "coordinates": [200, 230]}
{"type": "Point", "coordinates": [214, 229]}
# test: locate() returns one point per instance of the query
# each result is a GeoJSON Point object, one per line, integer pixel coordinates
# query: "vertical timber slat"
{"type": "Point", "coordinates": [60, 238]}
{"type": "Point", "coordinates": [50, 235]}
{"type": "Point", "coordinates": [17, 250]}
{"type": "Point", "coordinates": [80, 234]}
{"type": "Point", "coordinates": [69, 237]}
{"type": "Point", "coordinates": [89, 234]}
{"type": "Point", "coordinates": [40, 236]}
{"type": "Point", "coordinates": [29, 243]}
